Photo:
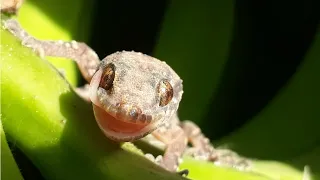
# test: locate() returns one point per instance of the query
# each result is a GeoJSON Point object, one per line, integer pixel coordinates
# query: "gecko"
{"type": "Point", "coordinates": [133, 95]}
{"type": "Point", "coordinates": [10, 6]}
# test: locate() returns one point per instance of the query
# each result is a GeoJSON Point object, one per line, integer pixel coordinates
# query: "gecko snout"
{"type": "Point", "coordinates": [131, 113]}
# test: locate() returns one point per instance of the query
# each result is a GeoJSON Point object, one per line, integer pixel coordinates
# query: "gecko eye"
{"type": "Point", "coordinates": [107, 77]}
{"type": "Point", "coordinates": [165, 91]}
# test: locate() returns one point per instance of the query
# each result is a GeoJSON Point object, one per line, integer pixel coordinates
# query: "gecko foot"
{"type": "Point", "coordinates": [10, 6]}
{"type": "Point", "coordinates": [199, 154]}
{"type": "Point", "coordinates": [159, 159]}
{"type": "Point", "coordinates": [226, 157]}
{"type": "Point", "coordinates": [150, 157]}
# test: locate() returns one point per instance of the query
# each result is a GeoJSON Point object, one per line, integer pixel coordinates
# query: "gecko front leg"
{"type": "Point", "coordinates": [176, 142]}
{"type": "Point", "coordinates": [176, 135]}
{"type": "Point", "coordinates": [10, 6]}
{"type": "Point", "coordinates": [201, 147]}
{"type": "Point", "coordinates": [86, 59]}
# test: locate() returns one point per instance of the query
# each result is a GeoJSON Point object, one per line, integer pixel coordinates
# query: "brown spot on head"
{"type": "Point", "coordinates": [165, 91]}
{"type": "Point", "coordinates": [107, 77]}
{"type": "Point", "coordinates": [143, 118]}
{"type": "Point", "coordinates": [148, 118]}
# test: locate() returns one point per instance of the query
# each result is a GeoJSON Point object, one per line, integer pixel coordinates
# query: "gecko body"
{"type": "Point", "coordinates": [133, 95]}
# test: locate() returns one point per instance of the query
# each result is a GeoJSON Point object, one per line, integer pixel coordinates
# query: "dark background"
{"type": "Point", "coordinates": [269, 40]}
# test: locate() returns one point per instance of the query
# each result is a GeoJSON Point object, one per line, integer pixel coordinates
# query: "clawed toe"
{"type": "Point", "coordinates": [157, 160]}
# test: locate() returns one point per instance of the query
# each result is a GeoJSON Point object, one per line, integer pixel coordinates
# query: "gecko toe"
{"type": "Point", "coordinates": [150, 157]}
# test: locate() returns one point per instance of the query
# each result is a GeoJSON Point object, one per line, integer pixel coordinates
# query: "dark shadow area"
{"type": "Point", "coordinates": [113, 25]}
{"type": "Point", "coordinates": [126, 25]}
{"type": "Point", "coordinates": [312, 159]}
{"type": "Point", "coordinates": [270, 39]}
{"type": "Point", "coordinates": [27, 169]}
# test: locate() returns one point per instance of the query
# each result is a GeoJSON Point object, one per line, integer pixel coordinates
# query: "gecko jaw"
{"type": "Point", "coordinates": [119, 130]}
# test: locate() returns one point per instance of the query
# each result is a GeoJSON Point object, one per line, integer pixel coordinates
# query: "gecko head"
{"type": "Point", "coordinates": [132, 94]}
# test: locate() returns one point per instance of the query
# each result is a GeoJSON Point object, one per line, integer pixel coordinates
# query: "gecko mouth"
{"type": "Point", "coordinates": [119, 130]}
